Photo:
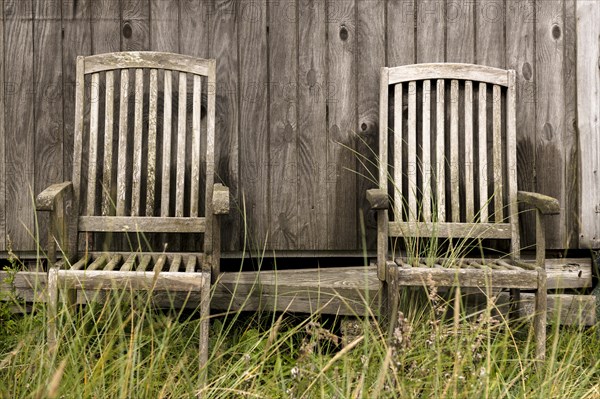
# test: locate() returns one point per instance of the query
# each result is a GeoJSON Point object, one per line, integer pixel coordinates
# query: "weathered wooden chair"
{"type": "Point", "coordinates": [133, 177]}
{"type": "Point", "coordinates": [451, 175]}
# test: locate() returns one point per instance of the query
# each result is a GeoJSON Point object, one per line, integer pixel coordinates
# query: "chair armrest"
{"type": "Point", "coordinates": [378, 199]}
{"type": "Point", "coordinates": [46, 200]}
{"type": "Point", "coordinates": [220, 203]}
{"type": "Point", "coordinates": [545, 204]}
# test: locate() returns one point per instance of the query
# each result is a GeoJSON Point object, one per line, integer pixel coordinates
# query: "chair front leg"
{"type": "Point", "coordinates": [539, 321]}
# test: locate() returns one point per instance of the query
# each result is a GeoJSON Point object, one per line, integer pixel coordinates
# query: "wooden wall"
{"type": "Point", "coordinates": [297, 99]}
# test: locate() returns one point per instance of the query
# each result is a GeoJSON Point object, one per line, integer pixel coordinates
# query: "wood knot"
{"type": "Point", "coordinates": [344, 33]}
{"type": "Point", "coordinates": [548, 131]}
{"type": "Point", "coordinates": [311, 77]}
{"type": "Point", "coordinates": [556, 32]}
{"type": "Point", "coordinates": [127, 30]}
{"type": "Point", "coordinates": [527, 71]}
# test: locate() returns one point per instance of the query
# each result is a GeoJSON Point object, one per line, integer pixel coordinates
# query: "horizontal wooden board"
{"type": "Point", "coordinates": [140, 59]}
{"type": "Point", "coordinates": [478, 73]}
{"type": "Point", "coordinates": [454, 230]}
{"type": "Point", "coordinates": [142, 224]}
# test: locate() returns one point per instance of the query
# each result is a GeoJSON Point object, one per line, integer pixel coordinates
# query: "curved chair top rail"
{"type": "Point", "coordinates": [480, 73]}
{"type": "Point", "coordinates": [147, 59]}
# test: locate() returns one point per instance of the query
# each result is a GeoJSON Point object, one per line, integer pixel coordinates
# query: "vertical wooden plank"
{"type": "Point", "coordinates": [48, 97]}
{"type": "Point", "coordinates": [166, 156]}
{"type": "Point", "coordinates": [371, 47]}
{"type": "Point", "coordinates": [550, 108]}
{"type": "Point", "coordinates": [254, 147]}
{"type": "Point", "coordinates": [312, 148]}
{"type": "Point", "coordinates": [181, 143]}
{"type": "Point", "coordinates": [109, 115]}
{"type": "Point", "coordinates": [399, 204]}
{"type": "Point", "coordinates": [2, 140]}
{"type": "Point", "coordinates": [497, 154]}
{"type": "Point", "coordinates": [77, 41]}
{"type": "Point", "coordinates": [489, 33]}
{"type": "Point", "coordinates": [93, 146]}
{"type": "Point", "coordinates": [571, 142]}
{"type": "Point", "coordinates": [341, 177]}
{"type": "Point", "coordinates": [426, 154]}
{"type": "Point", "coordinates": [412, 167]}
{"type": "Point", "coordinates": [460, 31]}
{"type": "Point", "coordinates": [194, 27]}
{"type": "Point", "coordinates": [152, 122]}
{"type": "Point", "coordinates": [431, 31]}
{"type": "Point", "coordinates": [135, 23]}
{"type": "Point", "coordinates": [400, 32]}
{"type": "Point", "coordinates": [105, 26]}
{"type": "Point", "coordinates": [19, 122]}
{"type": "Point", "coordinates": [122, 154]}
{"type": "Point", "coordinates": [136, 181]}
{"type": "Point", "coordinates": [224, 48]}
{"type": "Point", "coordinates": [588, 109]}
{"type": "Point", "coordinates": [482, 168]}
{"type": "Point", "coordinates": [164, 25]}
{"type": "Point", "coordinates": [283, 124]}
{"type": "Point", "coordinates": [469, 180]}
{"type": "Point", "coordinates": [520, 56]}
{"type": "Point", "coordinates": [440, 151]}
{"type": "Point", "coordinates": [195, 172]}
{"type": "Point", "coordinates": [454, 156]}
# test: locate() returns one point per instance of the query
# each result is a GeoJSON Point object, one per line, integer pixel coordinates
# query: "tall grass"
{"type": "Point", "coordinates": [125, 347]}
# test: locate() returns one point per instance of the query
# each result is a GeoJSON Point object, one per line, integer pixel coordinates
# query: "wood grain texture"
{"type": "Point", "coordinates": [371, 48]}
{"type": "Point", "coordinates": [431, 35]}
{"type": "Point", "coordinates": [77, 40]}
{"type": "Point", "coordinates": [2, 144]}
{"type": "Point", "coordinates": [588, 114]}
{"type": "Point", "coordinates": [224, 38]}
{"type": "Point", "coordinates": [460, 31]}
{"type": "Point", "coordinates": [400, 25]}
{"type": "Point", "coordinates": [135, 25]}
{"type": "Point", "coordinates": [572, 170]}
{"type": "Point", "coordinates": [48, 89]}
{"type": "Point", "coordinates": [341, 98]}
{"type": "Point", "coordinates": [19, 122]}
{"type": "Point", "coordinates": [283, 125]}
{"type": "Point", "coordinates": [550, 107]}
{"type": "Point", "coordinates": [105, 26]}
{"type": "Point", "coordinates": [254, 147]}
{"type": "Point", "coordinates": [489, 33]}
{"type": "Point", "coordinates": [520, 56]}
{"type": "Point", "coordinates": [312, 124]}
{"type": "Point", "coordinates": [164, 25]}
{"type": "Point", "coordinates": [195, 34]}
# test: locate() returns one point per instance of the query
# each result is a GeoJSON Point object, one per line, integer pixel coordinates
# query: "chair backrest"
{"type": "Point", "coordinates": [448, 131]}
{"type": "Point", "coordinates": [144, 143]}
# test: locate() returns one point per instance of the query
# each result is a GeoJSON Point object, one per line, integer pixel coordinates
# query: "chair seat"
{"type": "Point", "coordinates": [137, 261]}
{"type": "Point", "coordinates": [496, 273]}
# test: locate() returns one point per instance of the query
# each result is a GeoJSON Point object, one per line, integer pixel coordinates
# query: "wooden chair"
{"type": "Point", "coordinates": [143, 167]}
{"type": "Point", "coordinates": [451, 146]}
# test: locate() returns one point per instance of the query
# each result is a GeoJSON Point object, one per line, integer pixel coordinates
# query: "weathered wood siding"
{"type": "Point", "coordinates": [298, 100]}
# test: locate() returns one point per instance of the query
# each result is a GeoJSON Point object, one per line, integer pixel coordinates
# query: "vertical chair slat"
{"type": "Point", "coordinates": [440, 151]}
{"type": "Point", "coordinates": [195, 183]}
{"type": "Point", "coordinates": [137, 143]}
{"type": "Point", "coordinates": [109, 115]}
{"type": "Point", "coordinates": [166, 159]}
{"type": "Point", "coordinates": [454, 167]}
{"type": "Point", "coordinates": [412, 168]}
{"type": "Point", "coordinates": [181, 118]}
{"type": "Point", "coordinates": [426, 168]}
{"type": "Point", "coordinates": [497, 153]}
{"type": "Point", "coordinates": [398, 152]}
{"type": "Point", "coordinates": [469, 184]}
{"type": "Point", "coordinates": [122, 159]}
{"type": "Point", "coordinates": [190, 265]}
{"type": "Point", "coordinates": [93, 155]}
{"type": "Point", "coordinates": [151, 169]}
{"type": "Point", "coordinates": [483, 165]}
{"type": "Point", "coordinates": [511, 159]}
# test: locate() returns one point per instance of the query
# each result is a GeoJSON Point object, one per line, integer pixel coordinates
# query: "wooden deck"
{"type": "Point", "coordinates": [340, 290]}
